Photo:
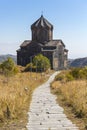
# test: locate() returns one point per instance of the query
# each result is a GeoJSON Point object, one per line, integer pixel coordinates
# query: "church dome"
{"type": "Point", "coordinates": [42, 22]}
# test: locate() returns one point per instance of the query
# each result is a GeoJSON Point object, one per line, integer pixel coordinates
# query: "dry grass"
{"type": "Point", "coordinates": [15, 95]}
{"type": "Point", "coordinates": [73, 95]}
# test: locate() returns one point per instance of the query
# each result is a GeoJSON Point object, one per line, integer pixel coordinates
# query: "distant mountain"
{"type": "Point", "coordinates": [4, 57]}
{"type": "Point", "coordinates": [70, 61]}
{"type": "Point", "coordinates": [79, 62]}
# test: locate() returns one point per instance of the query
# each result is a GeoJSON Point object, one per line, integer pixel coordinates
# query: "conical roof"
{"type": "Point", "coordinates": [42, 22]}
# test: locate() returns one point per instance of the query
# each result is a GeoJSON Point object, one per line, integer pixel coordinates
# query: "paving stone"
{"type": "Point", "coordinates": [44, 111]}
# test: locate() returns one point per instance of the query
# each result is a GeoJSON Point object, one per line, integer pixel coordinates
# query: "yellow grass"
{"type": "Point", "coordinates": [74, 95]}
{"type": "Point", "coordinates": [15, 94]}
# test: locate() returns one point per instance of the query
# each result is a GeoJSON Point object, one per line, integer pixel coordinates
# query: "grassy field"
{"type": "Point", "coordinates": [72, 95]}
{"type": "Point", "coordinates": [15, 97]}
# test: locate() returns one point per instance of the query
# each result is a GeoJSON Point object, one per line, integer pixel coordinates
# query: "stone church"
{"type": "Point", "coordinates": [43, 42]}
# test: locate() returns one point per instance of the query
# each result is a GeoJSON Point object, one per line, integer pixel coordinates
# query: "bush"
{"type": "Point", "coordinates": [79, 73]}
{"type": "Point", "coordinates": [69, 77]}
{"type": "Point", "coordinates": [8, 67]}
{"type": "Point", "coordinates": [83, 73]}
{"type": "Point", "coordinates": [28, 67]}
{"type": "Point", "coordinates": [60, 77]}
{"type": "Point", "coordinates": [15, 70]}
{"type": "Point", "coordinates": [73, 74]}
{"type": "Point", "coordinates": [40, 63]}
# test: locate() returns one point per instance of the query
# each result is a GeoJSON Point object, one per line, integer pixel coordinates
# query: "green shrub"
{"type": "Point", "coordinates": [79, 73]}
{"type": "Point", "coordinates": [69, 77]}
{"type": "Point", "coordinates": [15, 70]}
{"type": "Point", "coordinates": [8, 67]}
{"type": "Point", "coordinates": [60, 77]}
{"type": "Point", "coordinates": [83, 73]}
{"type": "Point", "coordinates": [40, 63]}
{"type": "Point", "coordinates": [28, 67]}
{"type": "Point", "coordinates": [75, 72]}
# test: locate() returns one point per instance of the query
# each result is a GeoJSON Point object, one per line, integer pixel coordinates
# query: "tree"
{"type": "Point", "coordinates": [41, 62]}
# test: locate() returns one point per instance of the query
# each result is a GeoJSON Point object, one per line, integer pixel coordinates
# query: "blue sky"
{"type": "Point", "coordinates": [69, 18]}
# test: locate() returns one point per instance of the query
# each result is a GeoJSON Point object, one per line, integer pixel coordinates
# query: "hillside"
{"type": "Point", "coordinates": [4, 57]}
{"type": "Point", "coordinates": [79, 62]}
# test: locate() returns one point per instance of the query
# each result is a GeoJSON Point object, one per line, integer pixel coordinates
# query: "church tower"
{"type": "Point", "coordinates": [42, 30]}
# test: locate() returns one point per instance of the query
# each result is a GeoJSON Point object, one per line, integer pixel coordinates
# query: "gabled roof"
{"type": "Point", "coordinates": [50, 43]}
{"type": "Point", "coordinates": [25, 43]}
{"type": "Point", "coordinates": [42, 22]}
{"type": "Point", "coordinates": [55, 42]}
{"type": "Point", "coordinates": [29, 42]}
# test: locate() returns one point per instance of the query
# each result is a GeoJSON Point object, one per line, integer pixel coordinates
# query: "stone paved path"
{"type": "Point", "coordinates": [45, 113]}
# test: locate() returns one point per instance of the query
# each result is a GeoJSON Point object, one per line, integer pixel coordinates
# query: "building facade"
{"type": "Point", "coordinates": [43, 42]}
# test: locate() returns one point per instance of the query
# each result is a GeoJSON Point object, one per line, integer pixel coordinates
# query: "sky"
{"type": "Point", "coordinates": [69, 18]}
